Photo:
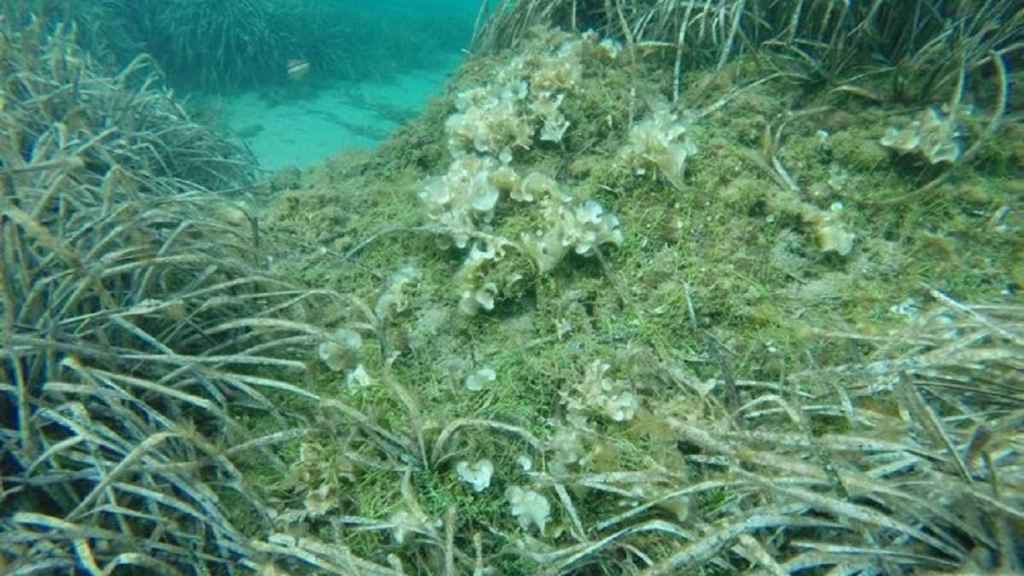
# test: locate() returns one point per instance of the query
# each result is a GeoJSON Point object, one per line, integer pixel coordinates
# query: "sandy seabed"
{"type": "Point", "coordinates": [301, 125]}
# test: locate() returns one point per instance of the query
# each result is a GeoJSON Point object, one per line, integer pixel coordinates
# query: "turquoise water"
{"type": "Point", "coordinates": [285, 131]}
{"type": "Point", "coordinates": [358, 69]}
{"type": "Point", "coordinates": [407, 50]}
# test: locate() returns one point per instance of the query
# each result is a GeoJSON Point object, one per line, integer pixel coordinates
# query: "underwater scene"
{"type": "Point", "coordinates": [512, 287]}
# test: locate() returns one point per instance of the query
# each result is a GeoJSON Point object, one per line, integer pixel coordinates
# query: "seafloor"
{"type": "Point", "coordinates": [793, 246]}
{"type": "Point", "coordinates": [573, 318]}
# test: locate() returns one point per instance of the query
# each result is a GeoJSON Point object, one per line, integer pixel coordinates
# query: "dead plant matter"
{"type": "Point", "coordinates": [135, 327]}
{"type": "Point", "coordinates": [825, 41]}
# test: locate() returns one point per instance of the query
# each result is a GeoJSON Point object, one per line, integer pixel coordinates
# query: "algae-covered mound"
{"type": "Point", "coordinates": [620, 320]}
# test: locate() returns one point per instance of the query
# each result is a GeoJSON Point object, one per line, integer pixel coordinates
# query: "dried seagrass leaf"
{"type": "Point", "coordinates": [795, 468]}
{"type": "Point", "coordinates": [848, 510]}
{"type": "Point", "coordinates": [297, 297]}
{"type": "Point", "coordinates": [927, 419]}
{"type": "Point", "coordinates": [756, 553]}
{"type": "Point", "coordinates": [287, 546]}
{"type": "Point", "coordinates": [698, 553]}
{"type": "Point", "coordinates": [997, 503]}
{"type": "Point", "coordinates": [52, 451]}
{"type": "Point", "coordinates": [440, 444]}
{"type": "Point", "coordinates": [301, 342]}
{"type": "Point", "coordinates": [449, 542]}
{"type": "Point", "coordinates": [808, 560]}
{"type": "Point", "coordinates": [149, 386]}
{"type": "Point", "coordinates": [43, 566]}
{"type": "Point", "coordinates": [235, 378]}
{"type": "Point", "coordinates": [392, 440]}
{"type": "Point", "coordinates": [570, 558]}
{"type": "Point", "coordinates": [832, 442]}
{"type": "Point", "coordinates": [126, 513]}
{"type": "Point", "coordinates": [789, 410]}
{"type": "Point", "coordinates": [271, 323]}
{"type": "Point", "coordinates": [41, 234]}
{"type": "Point", "coordinates": [268, 439]}
{"type": "Point", "coordinates": [412, 504]}
{"type": "Point", "coordinates": [332, 558]}
{"type": "Point", "coordinates": [180, 359]}
{"type": "Point", "coordinates": [842, 552]}
{"type": "Point", "coordinates": [138, 452]}
{"type": "Point", "coordinates": [61, 530]}
{"type": "Point", "coordinates": [705, 486]}
{"type": "Point", "coordinates": [164, 499]}
{"type": "Point", "coordinates": [85, 557]}
{"type": "Point", "coordinates": [578, 531]}
{"type": "Point", "coordinates": [144, 561]}
{"type": "Point", "coordinates": [116, 399]}
{"type": "Point", "coordinates": [903, 503]}
{"type": "Point", "coordinates": [1001, 329]}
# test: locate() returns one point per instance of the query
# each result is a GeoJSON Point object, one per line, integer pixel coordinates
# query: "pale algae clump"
{"type": "Point", "coordinates": [463, 200]}
{"type": "Point", "coordinates": [491, 124]}
{"type": "Point", "coordinates": [568, 226]}
{"type": "Point", "coordinates": [477, 475]}
{"type": "Point", "coordinates": [529, 507]}
{"type": "Point", "coordinates": [342, 350]}
{"type": "Point", "coordinates": [476, 381]}
{"type": "Point", "coordinates": [599, 394]}
{"type": "Point", "coordinates": [660, 144]}
{"type": "Point", "coordinates": [935, 136]}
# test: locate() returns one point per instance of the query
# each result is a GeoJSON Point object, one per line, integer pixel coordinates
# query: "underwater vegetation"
{"type": "Point", "coordinates": [656, 287]}
{"type": "Point", "coordinates": [216, 43]}
{"type": "Point", "coordinates": [133, 317]}
{"type": "Point", "coordinates": [921, 45]}
{"type": "Point", "coordinates": [224, 45]}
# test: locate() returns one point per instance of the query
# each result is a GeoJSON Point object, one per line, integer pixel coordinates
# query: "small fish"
{"type": "Point", "coordinates": [297, 69]}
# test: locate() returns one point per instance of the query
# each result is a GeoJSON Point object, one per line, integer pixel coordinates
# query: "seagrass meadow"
{"type": "Point", "coordinates": [654, 287]}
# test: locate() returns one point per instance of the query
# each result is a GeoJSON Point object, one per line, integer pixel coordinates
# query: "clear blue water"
{"type": "Point", "coordinates": [373, 66]}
